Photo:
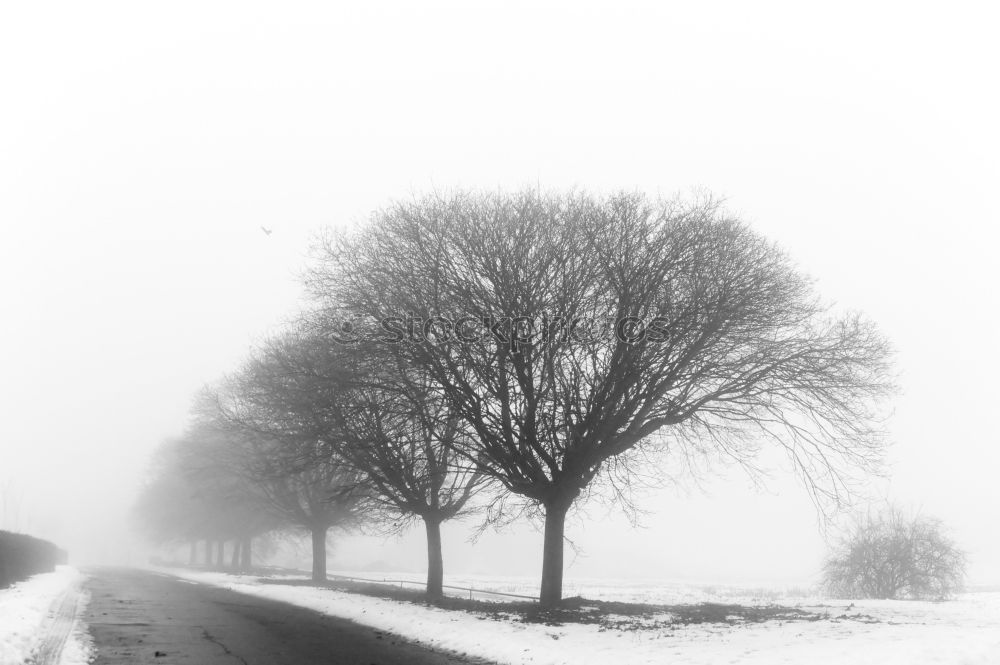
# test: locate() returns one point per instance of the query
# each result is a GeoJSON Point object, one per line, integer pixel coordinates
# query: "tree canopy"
{"type": "Point", "coordinates": [568, 330]}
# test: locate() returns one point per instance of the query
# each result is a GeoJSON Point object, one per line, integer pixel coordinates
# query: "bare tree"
{"type": "Point", "coordinates": [290, 468]}
{"type": "Point", "coordinates": [893, 555]}
{"type": "Point", "coordinates": [715, 340]}
{"type": "Point", "coordinates": [404, 442]}
{"type": "Point", "coordinates": [386, 422]}
{"type": "Point", "coordinates": [11, 499]}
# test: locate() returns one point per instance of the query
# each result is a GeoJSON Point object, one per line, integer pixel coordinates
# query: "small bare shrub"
{"type": "Point", "coordinates": [893, 555]}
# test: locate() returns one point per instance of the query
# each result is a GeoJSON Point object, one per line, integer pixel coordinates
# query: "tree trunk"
{"type": "Point", "coordinates": [246, 555]}
{"type": "Point", "coordinates": [234, 561]}
{"type": "Point", "coordinates": [220, 554]}
{"type": "Point", "coordinates": [193, 555]}
{"type": "Point", "coordinates": [435, 560]}
{"type": "Point", "coordinates": [207, 553]}
{"type": "Point", "coordinates": [319, 554]}
{"type": "Point", "coordinates": [552, 553]}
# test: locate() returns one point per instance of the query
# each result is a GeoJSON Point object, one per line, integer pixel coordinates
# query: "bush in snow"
{"type": "Point", "coordinates": [893, 555]}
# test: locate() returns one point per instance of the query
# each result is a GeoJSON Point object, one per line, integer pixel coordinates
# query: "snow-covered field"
{"type": "Point", "coordinates": [27, 611]}
{"type": "Point", "coordinates": [630, 590]}
{"type": "Point", "coordinates": [965, 631]}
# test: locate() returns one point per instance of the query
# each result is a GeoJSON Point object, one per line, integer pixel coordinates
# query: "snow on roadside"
{"type": "Point", "coordinates": [79, 649]}
{"type": "Point", "coordinates": [25, 610]}
{"type": "Point", "coordinates": [961, 632]}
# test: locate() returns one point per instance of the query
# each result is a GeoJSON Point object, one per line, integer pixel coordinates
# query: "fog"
{"type": "Point", "coordinates": [143, 148]}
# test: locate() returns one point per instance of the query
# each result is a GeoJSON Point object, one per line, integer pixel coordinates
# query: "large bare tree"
{"type": "Point", "coordinates": [571, 332]}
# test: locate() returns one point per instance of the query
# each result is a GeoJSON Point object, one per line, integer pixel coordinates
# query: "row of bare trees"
{"type": "Point", "coordinates": [522, 352]}
{"type": "Point", "coordinates": [311, 436]}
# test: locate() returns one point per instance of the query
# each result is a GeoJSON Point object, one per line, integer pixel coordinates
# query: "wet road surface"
{"type": "Point", "coordinates": [139, 617]}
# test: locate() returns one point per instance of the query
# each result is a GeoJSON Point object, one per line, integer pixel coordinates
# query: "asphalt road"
{"type": "Point", "coordinates": [138, 617]}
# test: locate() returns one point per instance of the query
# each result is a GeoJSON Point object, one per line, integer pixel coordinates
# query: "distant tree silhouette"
{"type": "Point", "coordinates": [190, 497]}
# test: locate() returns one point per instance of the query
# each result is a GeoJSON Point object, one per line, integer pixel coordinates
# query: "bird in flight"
{"type": "Point", "coordinates": [266, 230]}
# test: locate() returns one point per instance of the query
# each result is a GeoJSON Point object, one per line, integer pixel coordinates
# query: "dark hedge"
{"type": "Point", "coordinates": [22, 556]}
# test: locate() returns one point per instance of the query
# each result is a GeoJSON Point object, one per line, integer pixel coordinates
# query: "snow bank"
{"type": "Point", "coordinates": [26, 609]}
{"type": "Point", "coordinates": [79, 649]}
{"type": "Point", "coordinates": [961, 632]}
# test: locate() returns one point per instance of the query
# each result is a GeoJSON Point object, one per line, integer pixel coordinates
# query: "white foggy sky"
{"type": "Point", "coordinates": [142, 146]}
